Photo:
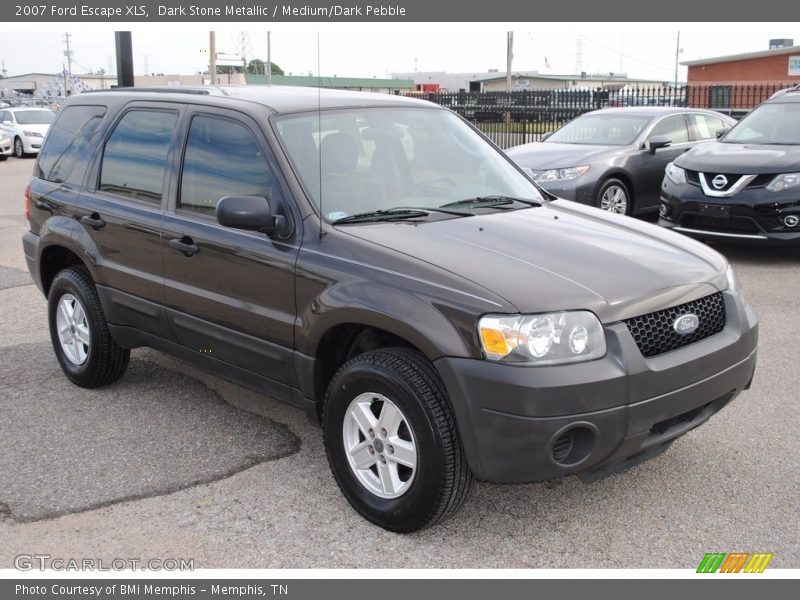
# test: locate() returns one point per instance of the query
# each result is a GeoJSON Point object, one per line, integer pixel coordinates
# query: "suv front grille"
{"type": "Point", "coordinates": [654, 333]}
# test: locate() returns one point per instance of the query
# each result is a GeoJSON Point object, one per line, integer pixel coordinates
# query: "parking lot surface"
{"type": "Point", "coordinates": [171, 462]}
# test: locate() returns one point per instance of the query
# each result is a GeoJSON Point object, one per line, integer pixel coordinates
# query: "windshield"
{"type": "Point", "coordinates": [34, 117]}
{"type": "Point", "coordinates": [383, 158]}
{"type": "Point", "coordinates": [601, 129]}
{"type": "Point", "coordinates": [777, 123]}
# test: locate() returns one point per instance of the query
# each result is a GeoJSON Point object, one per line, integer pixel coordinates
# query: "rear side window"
{"type": "Point", "coordinates": [705, 127]}
{"type": "Point", "coordinates": [66, 140]}
{"type": "Point", "coordinates": [135, 155]}
{"type": "Point", "coordinates": [222, 158]}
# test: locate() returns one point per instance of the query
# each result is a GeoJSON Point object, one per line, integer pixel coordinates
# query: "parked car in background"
{"type": "Point", "coordinates": [6, 144]}
{"type": "Point", "coordinates": [615, 158]}
{"type": "Point", "coordinates": [746, 185]}
{"type": "Point", "coordinates": [27, 127]}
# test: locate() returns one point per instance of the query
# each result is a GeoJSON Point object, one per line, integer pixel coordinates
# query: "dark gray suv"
{"type": "Point", "coordinates": [376, 262]}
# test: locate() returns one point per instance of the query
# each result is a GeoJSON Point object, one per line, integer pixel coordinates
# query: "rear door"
{"type": "Point", "coordinates": [231, 296]}
{"type": "Point", "coordinates": [121, 209]}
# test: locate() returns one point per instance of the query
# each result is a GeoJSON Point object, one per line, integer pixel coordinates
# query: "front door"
{"type": "Point", "coordinates": [229, 293]}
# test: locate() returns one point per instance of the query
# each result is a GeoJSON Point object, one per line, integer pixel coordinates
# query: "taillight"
{"type": "Point", "coordinates": [28, 202]}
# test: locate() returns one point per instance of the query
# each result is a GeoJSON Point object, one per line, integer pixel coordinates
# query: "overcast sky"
{"type": "Point", "coordinates": [640, 50]}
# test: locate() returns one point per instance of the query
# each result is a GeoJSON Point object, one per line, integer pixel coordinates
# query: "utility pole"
{"type": "Point", "coordinates": [509, 59]}
{"type": "Point", "coordinates": [677, 53]}
{"type": "Point", "coordinates": [268, 68]}
{"type": "Point", "coordinates": [68, 53]}
{"type": "Point", "coordinates": [212, 51]}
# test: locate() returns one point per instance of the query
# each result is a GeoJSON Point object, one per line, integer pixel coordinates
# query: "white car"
{"type": "Point", "coordinates": [6, 144]}
{"type": "Point", "coordinates": [27, 128]}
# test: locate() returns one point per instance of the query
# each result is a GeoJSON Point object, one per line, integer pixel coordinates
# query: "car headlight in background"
{"type": "Point", "coordinates": [545, 339]}
{"type": "Point", "coordinates": [675, 174]}
{"type": "Point", "coordinates": [35, 134]}
{"type": "Point", "coordinates": [784, 182]}
{"type": "Point", "coordinates": [560, 174]}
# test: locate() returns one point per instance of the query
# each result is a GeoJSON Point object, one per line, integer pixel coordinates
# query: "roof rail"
{"type": "Point", "coordinates": [162, 90]}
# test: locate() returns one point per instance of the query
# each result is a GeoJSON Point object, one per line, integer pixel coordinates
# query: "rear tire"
{"type": "Point", "coordinates": [615, 197]}
{"type": "Point", "coordinates": [87, 353]}
{"type": "Point", "coordinates": [403, 384]}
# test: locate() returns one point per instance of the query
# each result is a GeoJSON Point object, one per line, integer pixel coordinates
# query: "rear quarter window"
{"type": "Point", "coordinates": [71, 133]}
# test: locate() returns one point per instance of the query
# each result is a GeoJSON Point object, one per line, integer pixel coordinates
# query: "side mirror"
{"type": "Point", "coordinates": [8, 123]}
{"type": "Point", "coordinates": [250, 212]}
{"type": "Point", "coordinates": [658, 141]}
{"type": "Point", "coordinates": [546, 135]}
{"type": "Point", "coordinates": [721, 132]}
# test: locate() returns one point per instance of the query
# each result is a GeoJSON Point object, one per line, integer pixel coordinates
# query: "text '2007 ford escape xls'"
{"type": "Point", "coordinates": [375, 261]}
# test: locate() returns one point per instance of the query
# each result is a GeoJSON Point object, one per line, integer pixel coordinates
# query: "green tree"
{"type": "Point", "coordinates": [257, 66]}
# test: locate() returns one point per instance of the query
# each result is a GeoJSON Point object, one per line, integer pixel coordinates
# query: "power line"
{"type": "Point", "coordinates": [629, 57]}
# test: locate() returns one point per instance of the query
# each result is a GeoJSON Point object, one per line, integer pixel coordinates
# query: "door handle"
{"type": "Point", "coordinates": [185, 245]}
{"type": "Point", "coordinates": [94, 221]}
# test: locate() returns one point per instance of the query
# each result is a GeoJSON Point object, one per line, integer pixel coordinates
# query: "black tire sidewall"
{"type": "Point", "coordinates": [619, 183]}
{"type": "Point", "coordinates": [409, 511]}
{"type": "Point", "coordinates": [19, 148]}
{"type": "Point", "coordinates": [66, 282]}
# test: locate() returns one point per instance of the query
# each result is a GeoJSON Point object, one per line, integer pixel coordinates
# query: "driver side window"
{"type": "Point", "coordinates": [673, 128]}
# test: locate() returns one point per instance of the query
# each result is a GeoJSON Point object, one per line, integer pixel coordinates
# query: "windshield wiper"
{"type": "Point", "coordinates": [390, 214]}
{"type": "Point", "coordinates": [490, 202]}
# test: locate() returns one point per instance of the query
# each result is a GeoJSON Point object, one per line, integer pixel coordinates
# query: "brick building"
{"type": "Point", "coordinates": [741, 81]}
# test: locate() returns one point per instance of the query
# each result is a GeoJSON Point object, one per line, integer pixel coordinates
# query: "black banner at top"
{"type": "Point", "coordinates": [391, 11]}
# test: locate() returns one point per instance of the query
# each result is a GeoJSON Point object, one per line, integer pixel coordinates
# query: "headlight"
{"type": "Point", "coordinates": [546, 339]}
{"type": "Point", "coordinates": [784, 182]}
{"type": "Point", "coordinates": [560, 174]}
{"type": "Point", "coordinates": [675, 174]}
{"type": "Point", "coordinates": [32, 134]}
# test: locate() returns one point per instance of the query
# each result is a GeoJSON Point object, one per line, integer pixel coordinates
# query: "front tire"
{"type": "Point", "coordinates": [614, 196]}
{"type": "Point", "coordinates": [87, 353]}
{"type": "Point", "coordinates": [392, 441]}
{"type": "Point", "coordinates": [19, 148]}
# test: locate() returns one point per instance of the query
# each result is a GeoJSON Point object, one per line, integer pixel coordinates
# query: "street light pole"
{"type": "Point", "coordinates": [269, 60]}
{"type": "Point", "coordinates": [212, 51]}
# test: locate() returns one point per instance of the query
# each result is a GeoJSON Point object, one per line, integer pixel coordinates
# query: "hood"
{"type": "Point", "coordinates": [741, 159]}
{"type": "Point", "coordinates": [562, 256]}
{"type": "Point", "coordinates": [546, 155]}
{"type": "Point", "coordinates": [38, 127]}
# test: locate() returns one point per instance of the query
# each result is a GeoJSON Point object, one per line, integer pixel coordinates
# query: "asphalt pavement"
{"type": "Point", "coordinates": [171, 462]}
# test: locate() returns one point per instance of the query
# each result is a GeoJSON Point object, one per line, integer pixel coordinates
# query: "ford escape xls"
{"type": "Point", "coordinates": [375, 261]}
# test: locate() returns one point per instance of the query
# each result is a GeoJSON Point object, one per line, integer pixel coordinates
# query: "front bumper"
{"type": "Point", "coordinates": [514, 420]}
{"type": "Point", "coordinates": [6, 146]}
{"type": "Point", "coordinates": [754, 215]}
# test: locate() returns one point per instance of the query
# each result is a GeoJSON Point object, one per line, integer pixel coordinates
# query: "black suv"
{"type": "Point", "coordinates": [746, 185]}
{"type": "Point", "coordinates": [377, 262]}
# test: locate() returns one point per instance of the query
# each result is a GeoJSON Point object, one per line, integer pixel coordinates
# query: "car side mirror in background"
{"type": "Point", "coordinates": [721, 132]}
{"type": "Point", "coordinates": [546, 135]}
{"type": "Point", "coordinates": [7, 123]}
{"type": "Point", "coordinates": [250, 212]}
{"type": "Point", "coordinates": [658, 141]}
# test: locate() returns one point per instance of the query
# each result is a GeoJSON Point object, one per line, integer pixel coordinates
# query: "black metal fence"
{"type": "Point", "coordinates": [519, 117]}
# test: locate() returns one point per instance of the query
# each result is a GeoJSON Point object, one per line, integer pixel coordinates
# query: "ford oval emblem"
{"type": "Point", "coordinates": [686, 324]}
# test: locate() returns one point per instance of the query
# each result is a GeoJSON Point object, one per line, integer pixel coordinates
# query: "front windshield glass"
{"type": "Point", "coordinates": [382, 158]}
{"type": "Point", "coordinates": [602, 129]}
{"type": "Point", "coordinates": [768, 124]}
{"type": "Point", "coordinates": [34, 117]}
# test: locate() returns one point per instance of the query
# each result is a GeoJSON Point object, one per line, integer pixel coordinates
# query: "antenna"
{"type": "Point", "coordinates": [319, 134]}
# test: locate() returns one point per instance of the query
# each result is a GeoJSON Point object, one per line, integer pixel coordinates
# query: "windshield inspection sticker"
{"type": "Point", "coordinates": [339, 214]}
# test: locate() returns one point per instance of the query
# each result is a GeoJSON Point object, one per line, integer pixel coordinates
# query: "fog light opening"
{"type": "Point", "coordinates": [573, 444]}
{"type": "Point", "coordinates": [664, 210]}
{"type": "Point", "coordinates": [791, 220]}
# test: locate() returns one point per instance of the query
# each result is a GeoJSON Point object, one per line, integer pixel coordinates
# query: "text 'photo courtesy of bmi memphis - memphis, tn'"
{"type": "Point", "coordinates": [374, 260]}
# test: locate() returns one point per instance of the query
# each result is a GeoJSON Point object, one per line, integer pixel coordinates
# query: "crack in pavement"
{"type": "Point", "coordinates": [66, 449]}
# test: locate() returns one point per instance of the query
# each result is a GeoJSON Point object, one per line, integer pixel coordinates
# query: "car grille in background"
{"type": "Point", "coordinates": [654, 333]}
{"type": "Point", "coordinates": [693, 177]}
{"type": "Point", "coordinates": [732, 225]}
